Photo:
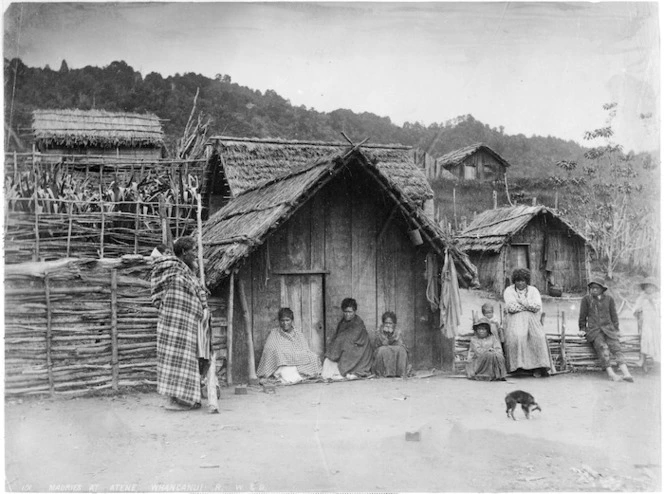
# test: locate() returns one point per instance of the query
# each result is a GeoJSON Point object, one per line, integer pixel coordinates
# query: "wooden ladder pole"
{"type": "Point", "coordinates": [101, 206]}
{"type": "Point", "coordinates": [115, 364]}
{"type": "Point", "coordinates": [136, 223]}
{"type": "Point", "coordinates": [229, 330]}
{"type": "Point", "coordinates": [49, 335]}
{"type": "Point", "coordinates": [36, 185]}
{"type": "Point", "coordinates": [70, 220]}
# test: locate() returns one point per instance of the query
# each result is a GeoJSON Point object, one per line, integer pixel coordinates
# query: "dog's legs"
{"type": "Point", "coordinates": [526, 410]}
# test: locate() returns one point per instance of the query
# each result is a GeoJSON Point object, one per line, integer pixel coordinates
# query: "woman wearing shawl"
{"type": "Point", "coordinates": [525, 341]}
{"type": "Point", "coordinates": [350, 350]}
{"type": "Point", "coordinates": [286, 354]}
{"type": "Point", "coordinates": [390, 354]}
{"type": "Point", "coordinates": [485, 355]}
{"type": "Point", "coordinates": [183, 329]}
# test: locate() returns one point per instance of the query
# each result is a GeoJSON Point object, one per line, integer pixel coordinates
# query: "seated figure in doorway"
{"type": "Point", "coordinates": [286, 354]}
{"type": "Point", "coordinates": [350, 353]}
{"type": "Point", "coordinates": [390, 354]}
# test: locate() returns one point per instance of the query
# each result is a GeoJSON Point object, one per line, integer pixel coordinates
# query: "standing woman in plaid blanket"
{"type": "Point", "coordinates": [183, 329]}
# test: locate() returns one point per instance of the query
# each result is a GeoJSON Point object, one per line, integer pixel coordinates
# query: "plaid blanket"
{"type": "Point", "coordinates": [282, 348]}
{"type": "Point", "coordinates": [182, 304]}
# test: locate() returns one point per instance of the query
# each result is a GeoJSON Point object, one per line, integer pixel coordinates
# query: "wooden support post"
{"type": "Point", "coordinates": [115, 364]}
{"type": "Point", "coordinates": [563, 354]}
{"type": "Point", "coordinates": [36, 186]}
{"type": "Point", "coordinates": [49, 335]}
{"type": "Point", "coordinates": [101, 206]}
{"type": "Point", "coordinates": [250, 334]}
{"type": "Point", "coordinates": [70, 220]}
{"type": "Point", "coordinates": [136, 224]}
{"type": "Point", "coordinates": [456, 226]}
{"type": "Point", "coordinates": [229, 329]}
{"type": "Point", "coordinates": [495, 200]}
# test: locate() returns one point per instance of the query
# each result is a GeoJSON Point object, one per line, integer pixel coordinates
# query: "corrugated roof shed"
{"type": "Point", "coordinates": [250, 163]}
{"type": "Point", "coordinates": [457, 156]}
{"type": "Point", "coordinates": [492, 229]}
{"type": "Point", "coordinates": [96, 128]}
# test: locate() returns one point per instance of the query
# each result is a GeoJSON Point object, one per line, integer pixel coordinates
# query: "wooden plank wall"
{"type": "Point", "coordinates": [336, 231]}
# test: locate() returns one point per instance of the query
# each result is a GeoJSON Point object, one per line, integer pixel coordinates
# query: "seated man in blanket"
{"type": "Point", "coordinates": [286, 354]}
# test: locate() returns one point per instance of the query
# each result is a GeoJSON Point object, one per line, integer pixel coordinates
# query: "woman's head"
{"type": "Point", "coordinates": [349, 306]}
{"type": "Point", "coordinates": [389, 321]}
{"type": "Point", "coordinates": [521, 277]}
{"type": "Point", "coordinates": [185, 249]}
{"type": "Point", "coordinates": [286, 319]}
{"type": "Point", "coordinates": [649, 285]}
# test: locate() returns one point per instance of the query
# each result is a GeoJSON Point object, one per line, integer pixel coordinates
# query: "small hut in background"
{"type": "Point", "coordinates": [98, 132]}
{"type": "Point", "coordinates": [474, 162]}
{"type": "Point", "coordinates": [533, 237]}
{"type": "Point", "coordinates": [306, 231]}
{"type": "Point", "coordinates": [432, 167]}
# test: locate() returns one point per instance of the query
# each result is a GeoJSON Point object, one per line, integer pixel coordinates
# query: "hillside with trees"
{"type": "Point", "coordinates": [242, 111]}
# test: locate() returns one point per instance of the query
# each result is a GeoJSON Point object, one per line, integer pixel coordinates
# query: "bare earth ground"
{"type": "Point", "coordinates": [592, 435]}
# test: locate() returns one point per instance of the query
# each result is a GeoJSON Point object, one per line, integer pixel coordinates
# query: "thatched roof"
{"type": "Point", "coordinates": [234, 231]}
{"type": "Point", "coordinates": [493, 228]}
{"type": "Point", "coordinates": [96, 128]}
{"type": "Point", "coordinates": [249, 163]}
{"type": "Point", "coordinates": [456, 157]}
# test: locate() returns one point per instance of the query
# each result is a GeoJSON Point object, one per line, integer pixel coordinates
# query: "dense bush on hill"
{"type": "Point", "coordinates": [241, 111]}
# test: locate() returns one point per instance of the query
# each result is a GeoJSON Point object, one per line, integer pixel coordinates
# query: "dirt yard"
{"type": "Point", "coordinates": [592, 435]}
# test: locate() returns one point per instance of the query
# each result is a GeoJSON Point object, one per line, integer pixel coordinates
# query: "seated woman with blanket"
{"type": "Point", "coordinates": [485, 354]}
{"type": "Point", "coordinates": [349, 354]}
{"type": "Point", "coordinates": [286, 354]}
{"type": "Point", "coordinates": [390, 354]}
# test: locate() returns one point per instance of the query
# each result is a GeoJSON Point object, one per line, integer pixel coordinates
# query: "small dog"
{"type": "Point", "coordinates": [526, 400]}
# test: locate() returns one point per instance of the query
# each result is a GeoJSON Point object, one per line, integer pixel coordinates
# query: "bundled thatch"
{"type": "Point", "coordinates": [250, 163]}
{"type": "Point", "coordinates": [458, 156]}
{"type": "Point", "coordinates": [96, 128]}
{"type": "Point", "coordinates": [492, 229]}
{"type": "Point", "coordinates": [78, 325]}
{"type": "Point", "coordinates": [236, 230]}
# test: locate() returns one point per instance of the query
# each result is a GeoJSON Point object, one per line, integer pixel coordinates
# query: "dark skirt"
{"type": "Point", "coordinates": [390, 361]}
{"type": "Point", "coordinates": [489, 366]}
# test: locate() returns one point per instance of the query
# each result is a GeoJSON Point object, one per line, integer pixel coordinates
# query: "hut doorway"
{"type": "Point", "coordinates": [304, 294]}
{"type": "Point", "coordinates": [519, 256]}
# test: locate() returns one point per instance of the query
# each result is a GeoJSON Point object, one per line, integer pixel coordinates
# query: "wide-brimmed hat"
{"type": "Point", "coordinates": [482, 321]}
{"type": "Point", "coordinates": [649, 281]}
{"type": "Point", "coordinates": [598, 281]}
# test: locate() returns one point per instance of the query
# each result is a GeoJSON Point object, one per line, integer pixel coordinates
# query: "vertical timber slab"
{"type": "Point", "coordinates": [386, 253]}
{"type": "Point", "coordinates": [317, 283]}
{"type": "Point", "coordinates": [264, 297]}
{"type": "Point", "coordinates": [240, 368]}
{"type": "Point", "coordinates": [338, 244]}
{"type": "Point", "coordinates": [427, 351]}
{"type": "Point", "coordinates": [363, 255]}
{"type": "Point", "coordinates": [406, 271]}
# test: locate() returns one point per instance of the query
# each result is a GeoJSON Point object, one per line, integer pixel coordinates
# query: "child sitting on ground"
{"type": "Point", "coordinates": [486, 361]}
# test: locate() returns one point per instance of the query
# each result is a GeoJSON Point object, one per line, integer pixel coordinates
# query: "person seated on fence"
{"type": "Point", "coordinates": [183, 326]}
{"type": "Point", "coordinates": [349, 354]}
{"type": "Point", "coordinates": [648, 319]}
{"type": "Point", "coordinates": [496, 327]}
{"type": "Point", "coordinates": [598, 322]}
{"type": "Point", "coordinates": [486, 361]}
{"type": "Point", "coordinates": [390, 357]}
{"type": "Point", "coordinates": [525, 342]}
{"type": "Point", "coordinates": [286, 354]}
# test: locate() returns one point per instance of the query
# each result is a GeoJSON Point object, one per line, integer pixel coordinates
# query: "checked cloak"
{"type": "Point", "coordinates": [182, 303]}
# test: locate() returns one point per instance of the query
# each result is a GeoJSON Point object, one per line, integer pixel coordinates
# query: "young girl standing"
{"type": "Point", "coordinates": [648, 320]}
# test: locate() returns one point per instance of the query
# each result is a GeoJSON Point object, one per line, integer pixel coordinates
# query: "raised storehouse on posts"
{"type": "Point", "coordinates": [309, 224]}
{"type": "Point", "coordinates": [534, 237]}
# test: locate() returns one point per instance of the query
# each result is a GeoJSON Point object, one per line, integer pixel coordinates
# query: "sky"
{"type": "Point", "coordinates": [534, 68]}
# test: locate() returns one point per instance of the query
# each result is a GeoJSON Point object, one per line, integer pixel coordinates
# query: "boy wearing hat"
{"type": "Point", "coordinates": [598, 321]}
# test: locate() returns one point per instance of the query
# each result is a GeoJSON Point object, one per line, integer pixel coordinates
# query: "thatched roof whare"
{"type": "Point", "coordinates": [233, 232]}
{"type": "Point", "coordinates": [456, 157]}
{"type": "Point", "coordinates": [249, 163]}
{"type": "Point", "coordinates": [492, 229]}
{"type": "Point", "coordinates": [96, 128]}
